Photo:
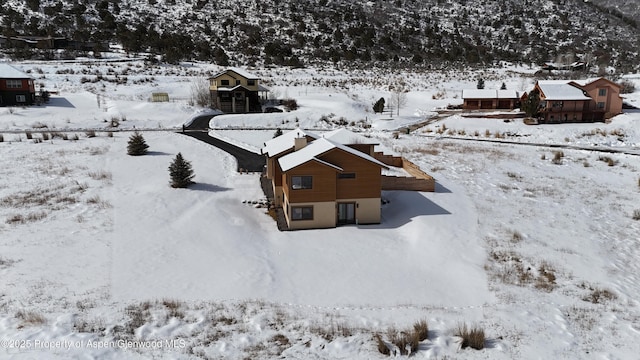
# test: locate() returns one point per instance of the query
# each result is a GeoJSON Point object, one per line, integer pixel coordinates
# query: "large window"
{"type": "Point", "coordinates": [302, 213]}
{"type": "Point", "coordinates": [224, 82]}
{"type": "Point", "coordinates": [238, 82]}
{"type": "Point", "coordinates": [14, 84]}
{"type": "Point", "coordinates": [600, 105]}
{"type": "Point", "coordinates": [251, 82]}
{"type": "Point", "coordinates": [602, 92]}
{"type": "Point", "coordinates": [301, 182]}
{"type": "Point", "coordinates": [21, 98]}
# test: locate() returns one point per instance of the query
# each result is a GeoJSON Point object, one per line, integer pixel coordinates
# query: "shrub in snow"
{"type": "Point", "coordinates": [137, 145]}
{"type": "Point", "coordinates": [181, 172]}
{"type": "Point", "coordinates": [277, 133]}
{"type": "Point", "coordinates": [471, 337]}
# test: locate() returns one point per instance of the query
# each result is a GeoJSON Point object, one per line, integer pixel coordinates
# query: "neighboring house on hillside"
{"type": "Point", "coordinates": [486, 99]}
{"type": "Point", "coordinates": [16, 87]}
{"type": "Point", "coordinates": [578, 101]}
{"type": "Point", "coordinates": [236, 91]}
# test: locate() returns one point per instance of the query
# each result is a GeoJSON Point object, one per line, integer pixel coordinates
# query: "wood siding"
{"type": "Point", "coordinates": [323, 187]}
{"type": "Point", "coordinates": [366, 184]}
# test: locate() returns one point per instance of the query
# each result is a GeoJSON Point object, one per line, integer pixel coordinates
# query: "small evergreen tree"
{"type": "Point", "coordinates": [277, 133]}
{"type": "Point", "coordinates": [378, 107]}
{"type": "Point", "coordinates": [480, 83]}
{"type": "Point", "coordinates": [503, 87]}
{"type": "Point", "coordinates": [136, 145]}
{"type": "Point", "coordinates": [531, 104]}
{"type": "Point", "coordinates": [181, 172]}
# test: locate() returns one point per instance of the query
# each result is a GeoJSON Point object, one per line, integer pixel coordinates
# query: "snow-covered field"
{"type": "Point", "coordinates": [100, 258]}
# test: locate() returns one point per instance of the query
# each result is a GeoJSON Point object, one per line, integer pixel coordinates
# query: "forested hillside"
{"type": "Point", "coordinates": [433, 33]}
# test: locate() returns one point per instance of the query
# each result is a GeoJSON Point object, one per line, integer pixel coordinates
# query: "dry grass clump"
{"type": "Point", "coordinates": [100, 175]}
{"type": "Point", "coordinates": [608, 160]}
{"type": "Point", "coordinates": [471, 337]}
{"type": "Point", "coordinates": [636, 214]}
{"type": "Point", "coordinates": [557, 157]}
{"type": "Point", "coordinates": [599, 296]}
{"type": "Point", "coordinates": [30, 318]}
{"type": "Point", "coordinates": [403, 342]}
{"type": "Point", "coordinates": [516, 236]}
{"type": "Point", "coordinates": [24, 219]}
{"type": "Point", "coordinates": [546, 279]}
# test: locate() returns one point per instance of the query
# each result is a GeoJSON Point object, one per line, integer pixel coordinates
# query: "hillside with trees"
{"type": "Point", "coordinates": [409, 33]}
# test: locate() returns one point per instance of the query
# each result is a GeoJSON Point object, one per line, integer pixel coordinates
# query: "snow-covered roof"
{"type": "Point", "coordinates": [317, 148]}
{"type": "Point", "coordinates": [489, 94]}
{"type": "Point", "coordinates": [9, 72]}
{"type": "Point", "coordinates": [285, 142]}
{"type": "Point", "coordinates": [561, 90]}
{"type": "Point", "coordinates": [346, 137]}
{"type": "Point", "coordinates": [238, 71]}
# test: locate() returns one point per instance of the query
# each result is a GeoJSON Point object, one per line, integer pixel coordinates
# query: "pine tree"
{"type": "Point", "coordinates": [378, 107]}
{"type": "Point", "coordinates": [531, 104]}
{"type": "Point", "coordinates": [503, 87]}
{"type": "Point", "coordinates": [136, 145]}
{"type": "Point", "coordinates": [277, 133]}
{"type": "Point", "coordinates": [181, 172]}
{"type": "Point", "coordinates": [480, 83]}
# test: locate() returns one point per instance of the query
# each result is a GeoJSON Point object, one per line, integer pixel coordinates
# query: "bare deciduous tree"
{"type": "Point", "coordinates": [398, 98]}
{"type": "Point", "coordinates": [200, 94]}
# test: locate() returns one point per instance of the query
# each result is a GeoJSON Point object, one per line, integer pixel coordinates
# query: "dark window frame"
{"type": "Point", "coordinates": [346, 175]}
{"type": "Point", "coordinates": [224, 82]}
{"type": "Point", "coordinates": [14, 84]}
{"type": "Point", "coordinates": [602, 92]}
{"type": "Point", "coordinates": [251, 82]}
{"type": "Point", "coordinates": [300, 213]}
{"type": "Point", "coordinates": [305, 182]}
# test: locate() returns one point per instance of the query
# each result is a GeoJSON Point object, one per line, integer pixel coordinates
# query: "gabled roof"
{"type": "Point", "coordinates": [346, 137]}
{"type": "Point", "coordinates": [489, 94]}
{"type": "Point", "coordinates": [561, 90]}
{"type": "Point", "coordinates": [9, 72]}
{"type": "Point", "coordinates": [241, 72]}
{"type": "Point", "coordinates": [285, 142]}
{"type": "Point", "coordinates": [315, 149]}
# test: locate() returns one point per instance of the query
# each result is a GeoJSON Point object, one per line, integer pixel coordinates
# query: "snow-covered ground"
{"type": "Point", "coordinates": [100, 258]}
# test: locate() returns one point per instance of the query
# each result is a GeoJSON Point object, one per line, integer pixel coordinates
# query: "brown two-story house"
{"type": "Point", "coordinates": [322, 183]}
{"type": "Point", "coordinates": [16, 87]}
{"type": "Point", "coordinates": [578, 101]}
{"type": "Point", "coordinates": [235, 91]}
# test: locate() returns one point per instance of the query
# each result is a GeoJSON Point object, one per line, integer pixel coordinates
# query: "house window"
{"type": "Point", "coordinates": [346, 175]}
{"type": "Point", "coordinates": [239, 95]}
{"type": "Point", "coordinates": [301, 182]}
{"type": "Point", "coordinates": [14, 84]}
{"type": "Point", "coordinates": [557, 104]}
{"type": "Point", "coordinates": [602, 92]}
{"type": "Point", "coordinates": [238, 82]}
{"type": "Point", "coordinates": [600, 105]}
{"type": "Point", "coordinates": [225, 95]}
{"type": "Point", "coordinates": [224, 82]}
{"type": "Point", "coordinates": [302, 213]}
{"type": "Point", "coordinates": [251, 82]}
{"type": "Point", "coordinates": [21, 98]}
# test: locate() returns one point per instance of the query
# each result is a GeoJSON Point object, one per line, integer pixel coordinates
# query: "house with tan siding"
{"type": "Point", "coordinates": [236, 91]}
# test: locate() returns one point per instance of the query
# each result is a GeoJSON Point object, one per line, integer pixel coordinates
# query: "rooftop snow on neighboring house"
{"type": "Point", "coordinates": [561, 90]}
{"type": "Point", "coordinates": [9, 72]}
{"type": "Point", "coordinates": [238, 71]}
{"type": "Point", "coordinates": [285, 142]}
{"type": "Point", "coordinates": [317, 148]}
{"type": "Point", "coordinates": [489, 94]}
{"type": "Point", "coordinates": [346, 137]}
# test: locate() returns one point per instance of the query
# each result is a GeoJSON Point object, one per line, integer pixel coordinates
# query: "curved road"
{"type": "Point", "coordinates": [247, 160]}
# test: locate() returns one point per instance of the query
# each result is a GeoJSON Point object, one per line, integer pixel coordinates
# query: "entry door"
{"type": "Point", "coordinates": [346, 213]}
